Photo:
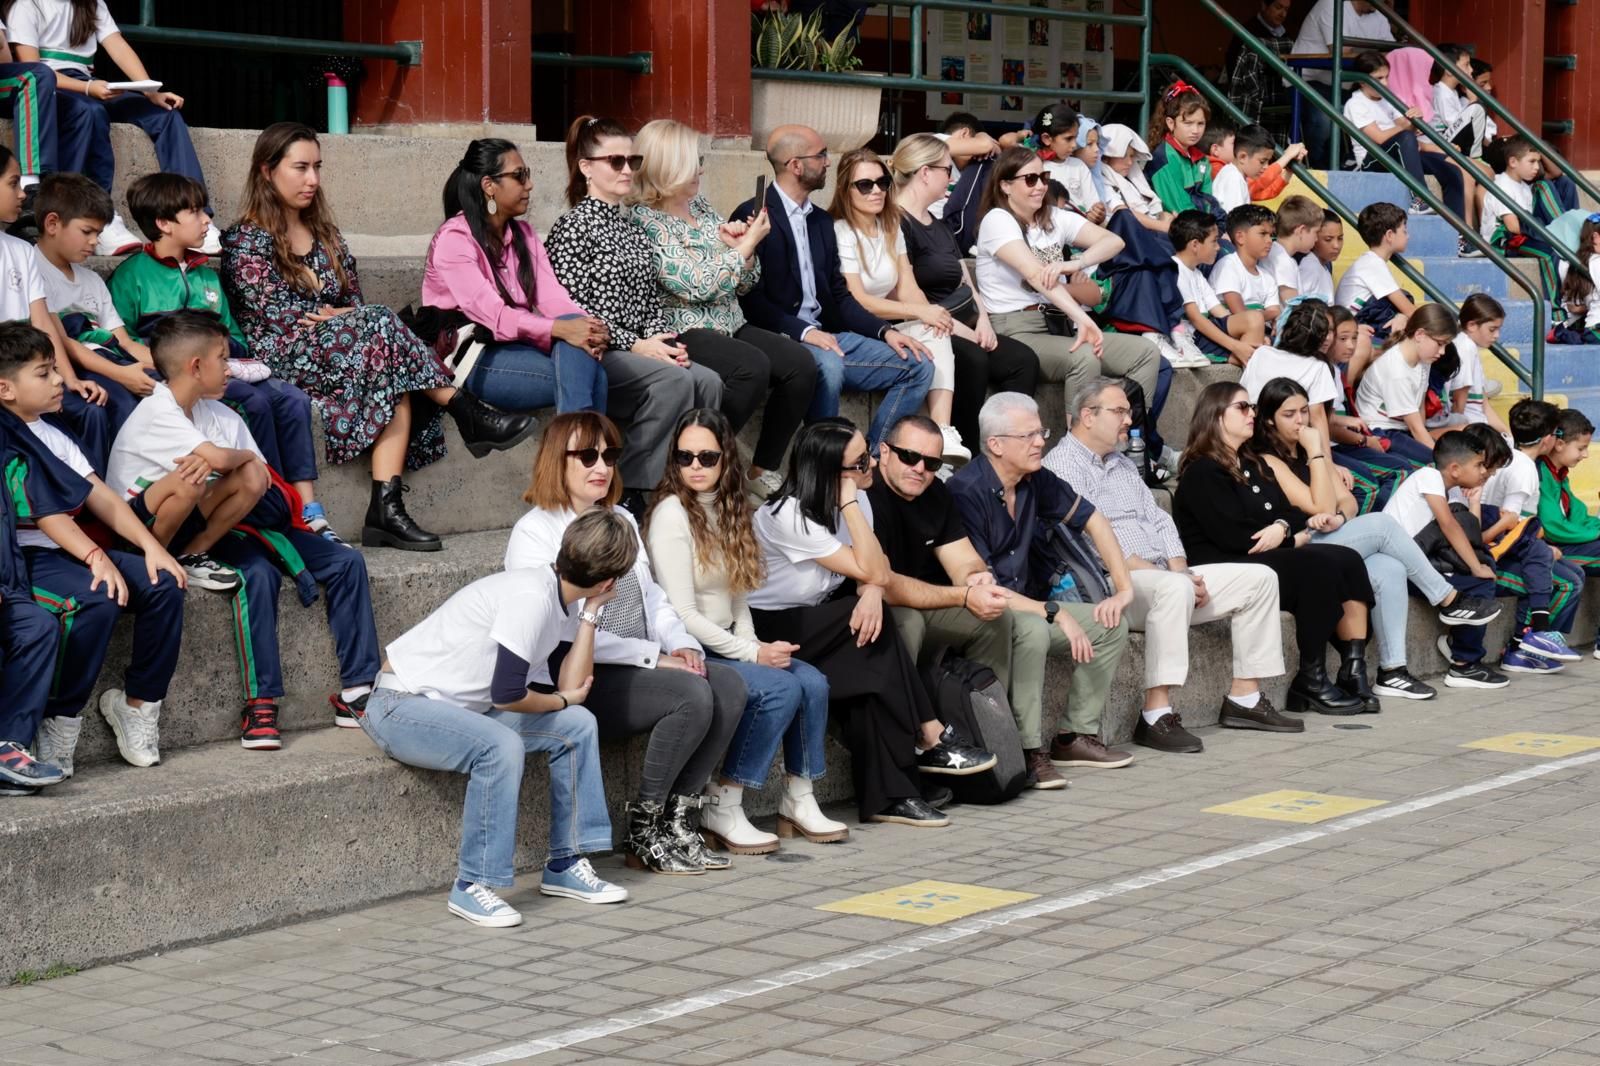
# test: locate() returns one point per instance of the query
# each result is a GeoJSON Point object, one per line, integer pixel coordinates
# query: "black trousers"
{"type": "Point", "coordinates": [749, 363]}
{"type": "Point", "coordinates": [1011, 367]}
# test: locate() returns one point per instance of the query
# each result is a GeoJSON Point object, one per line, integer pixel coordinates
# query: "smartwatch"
{"type": "Point", "coordinates": [1051, 609]}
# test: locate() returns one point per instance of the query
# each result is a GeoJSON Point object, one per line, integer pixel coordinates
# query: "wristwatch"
{"type": "Point", "coordinates": [592, 617]}
{"type": "Point", "coordinates": [1051, 609]}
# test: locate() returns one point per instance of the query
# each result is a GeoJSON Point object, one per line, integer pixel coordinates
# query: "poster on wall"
{"type": "Point", "coordinates": [978, 47]}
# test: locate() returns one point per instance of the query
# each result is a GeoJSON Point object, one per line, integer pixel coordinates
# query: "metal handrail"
{"type": "Point", "coordinates": [632, 63]}
{"type": "Point", "coordinates": [405, 53]}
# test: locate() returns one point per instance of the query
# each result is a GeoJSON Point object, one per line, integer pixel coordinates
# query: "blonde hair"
{"type": "Point", "coordinates": [841, 207]}
{"type": "Point", "coordinates": [912, 154]}
{"type": "Point", "coordinates": [671, 154]}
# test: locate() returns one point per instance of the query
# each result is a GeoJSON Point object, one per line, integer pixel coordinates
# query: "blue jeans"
{"type": "Point", "coordinates": [1392, 560]}
{"type": "Point", "coordinates": [84, 128]}
{"type": "Point", "coordinates": [868, 366]}
{"type": "Point", "coordinates": [489, 748]}
{"type": "Point", "coordinates": [519, 377]}
{"type": "Point", "coordinates": [1403, 444]}
{"type": "Point", "coordinates": [789, 705]}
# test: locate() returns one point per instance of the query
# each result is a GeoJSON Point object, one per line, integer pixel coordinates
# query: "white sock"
{"type": "Point", "coordinates": [1247, 701]}
{"type": "Point", "coordinates": [1154, 715]}
{"type": "Point", "coordinates": [354, 692]}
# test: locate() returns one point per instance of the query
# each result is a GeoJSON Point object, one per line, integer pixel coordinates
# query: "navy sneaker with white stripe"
{"type": "Point", "coordinates": [1469, 611]}
{"type": "Point", "coordinates": [17, 767]}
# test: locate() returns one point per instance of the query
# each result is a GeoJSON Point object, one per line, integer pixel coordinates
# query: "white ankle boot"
{"type": "Point", "coordinates": [799, 815]}
{"type": "Point", "coordinates": [723, 824]}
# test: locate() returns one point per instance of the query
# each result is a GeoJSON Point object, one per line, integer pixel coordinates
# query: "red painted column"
{"type": "Point", "coordinates": [476, 61]}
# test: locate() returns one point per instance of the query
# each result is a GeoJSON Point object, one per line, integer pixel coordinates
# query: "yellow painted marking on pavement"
{"type": "Point", "coordinates": [1287, 805]}
{"type": "Point", "coordinates": [928, 902]}
{"type": "Point", "coordinates": [1537, 744]}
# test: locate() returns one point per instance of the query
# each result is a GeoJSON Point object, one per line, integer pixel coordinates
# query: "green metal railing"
{"type": "Point", "coordinates": [406, 53]}
{"type": "Point", "coordinates": [632, 63]}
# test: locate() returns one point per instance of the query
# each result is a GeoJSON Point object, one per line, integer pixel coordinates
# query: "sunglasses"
{"type": "Point", "coordinates": [930, 463]}
{"type": "Point", "coordinates": [1244, 407]}
{"type": "Point", "coordinates": [707, 459]}
{"type": "Point", "coordinates": [865, 185]}
{"type": "Point", "coordinates": [522, 174]}
{"type": "Point", "coordinates": [617, 162]}
{"type": "Point", "coordinates": [1030, 180]}
{"type": "Point", "coordinates": [861, 465]}
{"type": "Point", "coordinates": [589, 456]}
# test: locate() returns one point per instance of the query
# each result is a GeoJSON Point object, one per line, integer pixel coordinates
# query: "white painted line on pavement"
{"type": "Point", "coordinates": [945, 934]}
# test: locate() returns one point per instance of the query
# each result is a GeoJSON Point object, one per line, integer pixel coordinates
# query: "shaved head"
{"type": "Point", "coordinates": [786, 142]}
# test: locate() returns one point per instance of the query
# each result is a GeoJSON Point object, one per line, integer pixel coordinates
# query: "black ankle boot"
{"type": "Point", "coordinates": [687, 836]}
{"type": "Point", "coordinates": [389, 526]}
{"type": "Point", "coordinates": [486, 429]}
{"type": "Point", "coordinates": [1353, 674]}
{"type": "Point", "coordinates": [649, 845]}
{"type": "Point", "coordinates": [1312, 691]}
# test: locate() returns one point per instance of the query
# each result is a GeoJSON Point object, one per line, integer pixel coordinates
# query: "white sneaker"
{"type": "Point", "coordinates": [764, 486]}
{"type": "Point", "coordinates": [723, 823]}
{"type": "Point", "coordinates": [1188, 351]}
{"type": "Point", "coordinates": [954, 450]}
{"type": "Point", "coordinates": [57, 740]}
{"type": "Point", "coordinates": [135, 727]}
{"type": "Point", "coordinates": [118, 239]}
{"type": "Point", "coordinates": [799, 815]}
{"type": "Point", "coordinates": [1168, 350]}
{"type": "Point", "coordinates": [212, 245]}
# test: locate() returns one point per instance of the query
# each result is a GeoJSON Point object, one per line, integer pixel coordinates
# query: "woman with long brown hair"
{"type": "Point", "coordinates": [703, 547]}
{"type": "Point", "coordinates": [292, 283]}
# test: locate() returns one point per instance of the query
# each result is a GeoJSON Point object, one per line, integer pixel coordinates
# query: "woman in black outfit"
{"type": "Point", "coordinates": [1230, 510]}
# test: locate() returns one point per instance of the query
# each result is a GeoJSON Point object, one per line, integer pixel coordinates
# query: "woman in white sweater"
{"type": "Point", "coordinates": [703, 546]}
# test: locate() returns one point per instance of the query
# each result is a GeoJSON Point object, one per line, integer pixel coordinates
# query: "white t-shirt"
{"type": "Point", "coordinates": [1230, 188]}
{"type": "Point", "coordinates": [1514, 488]}
{"type": "Point", "coordinates": [1195, 289]}
{"type": "Point", "coordinates": [1074, 175]}
{"type": "Point", "coordinates": [66, 449]}
{"type": "Point", "coordinates": [1002, 288]}
{"type": "Point", "coordinates": [1391, 389]}
{"type": "Point", "coordinates": [1367, 279]}
{"type": "Point", "coordinates": [1257, 290]}
{"type": "Point", "coordinates": [1407, 506]}
{"type": "Point", "coordinates": [450, 655]}
{"type": "Point", "coordinates": [791, 544]}
{"type": "Point", "coordinates": [1506, 190]}
{"type": "Point", "coordinates": [1469, 377]}
{"type": "Point", "coordinates": [1315, 278]}
{"type": "Point", "coordinates": [870, 257]}
{"type": "Point", "coordinates": [47, 25]}
{"type": "Point", "coordinates": [1281, 267]}
{"type": "Point", "coordinates": [1447, 106]}
{"type": "Point", "coordinates": [1316, 32]}
{"type": "Point", "coordinates": [1362, 111]}
{"type": "Point", "coordinates": [1313, 375]}
{"type": "Point", "coordinates": [159, 431]}
{"type": "Point", "coordinates": [83, 293]}
{"type": "Point", "coordinates": [21, 283]}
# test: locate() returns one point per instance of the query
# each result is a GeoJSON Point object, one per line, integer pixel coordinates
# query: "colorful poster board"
{"type": "Point", "coordinates": [979, 47]}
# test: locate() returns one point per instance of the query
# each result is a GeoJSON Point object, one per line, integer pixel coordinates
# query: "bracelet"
{"type": "Point", "coordinates": [1314, 458]}
{"type": "Point", "coordinates": [91, 555]}
{"type": "Point", "coordinates": [847, 503]}
{"type": "Point", "coordinates": [564, 703]}
{"type": "Point", "coordinates": [966, 596]}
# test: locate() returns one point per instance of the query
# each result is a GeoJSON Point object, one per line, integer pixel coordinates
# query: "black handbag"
{"type": "Point", "coordinates": [962, 305]}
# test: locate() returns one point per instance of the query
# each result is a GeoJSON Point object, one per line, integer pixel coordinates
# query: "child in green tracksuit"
{"type": "Point", "coordinates": [1566, 520]}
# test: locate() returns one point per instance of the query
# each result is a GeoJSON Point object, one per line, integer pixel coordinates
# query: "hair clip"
{"type": "Point", "coordinates": [1047, 118]}
{"type": "Point", "coordinates": [1595, 218]}
{"type": "Point", "coordinates": [1179, 87]}
{"type": "Point", "coordinates": [591, 122]}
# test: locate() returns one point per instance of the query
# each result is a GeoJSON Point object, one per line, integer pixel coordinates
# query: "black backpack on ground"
{"type": "Point", "coordinates": [968, 696]}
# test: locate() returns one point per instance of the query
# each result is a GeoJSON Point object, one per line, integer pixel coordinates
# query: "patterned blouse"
{"type": "Point", "coordinates": [701, 278]}
{"type": "Point", "coordinates": [606, 264]}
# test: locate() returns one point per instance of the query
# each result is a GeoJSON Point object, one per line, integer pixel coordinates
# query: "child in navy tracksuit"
{"type": "Point", "coordinates": [75, 578]}
{"type": "Point", "coordinates": [245, 526]}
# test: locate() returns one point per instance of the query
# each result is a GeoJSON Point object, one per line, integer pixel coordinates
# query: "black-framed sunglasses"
{"type": "Point", "coordinates": [708, 459]}
{"type": "Point", "coordinates": [590, 456]}
{"type": "Point", "coordinates": [1030, 180]}
{"type": "Point", "coordinates": [522, 174]}
{"type": "Point", "coordinates": [861, 465]}
{"type": "Point", "coordinates": [1244, 407]}
{"type": "Point", "coordinates": [946, 167]}
{"type": "Point", "coordinates": [617, 162]}
{"type": "Point", "coordinates": [930, 463]}
{"type": "Point", "coordinates": [864, 186]}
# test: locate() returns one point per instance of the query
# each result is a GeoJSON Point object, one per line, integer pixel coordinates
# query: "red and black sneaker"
{"type": "Point", "coordinates": [348, 715]}
{"type": "Point", "coordinates": [258, 727]}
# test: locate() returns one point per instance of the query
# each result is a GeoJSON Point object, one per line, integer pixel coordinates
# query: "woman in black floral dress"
{"type": "Point", "coordinates": [292, 283]}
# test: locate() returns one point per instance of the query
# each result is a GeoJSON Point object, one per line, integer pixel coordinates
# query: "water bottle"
{"type": "Point", "coordinates": [1065, 589]}
{"type": "Point", "coordinates": [1135, 449]}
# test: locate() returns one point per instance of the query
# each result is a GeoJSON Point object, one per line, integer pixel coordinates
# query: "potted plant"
{"type": "Point", "coordinates": [845, 115]}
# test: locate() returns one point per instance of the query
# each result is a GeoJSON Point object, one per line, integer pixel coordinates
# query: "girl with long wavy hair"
{"type": "Point", "coordinates": [703, 550]}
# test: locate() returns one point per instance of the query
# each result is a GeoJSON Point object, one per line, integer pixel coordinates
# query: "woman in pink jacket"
{"type": "Point", "coordinates": [507, 329]}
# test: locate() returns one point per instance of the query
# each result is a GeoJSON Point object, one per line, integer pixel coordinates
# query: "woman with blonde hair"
{"type": "Point", "coordinates": [984, 360]}
{"type": "Point", "coordinates": [703, 264]}
{"type": "Point", "coordinates": [872, 257]}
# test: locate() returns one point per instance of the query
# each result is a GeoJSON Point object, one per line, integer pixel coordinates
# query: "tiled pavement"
{"type": "Point", "coordinates": [1464, 931]}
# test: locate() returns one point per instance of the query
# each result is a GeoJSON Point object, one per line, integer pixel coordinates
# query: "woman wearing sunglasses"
{"type": "Point", "coordinates": [872, 257]}
{"type": "Point", "coordinates": [650, 675]}
{"type": "Point", "coordinates": [703, 265]}
{"type": "Point", "coordinates": [823, 594]}
{"type": "Point", "coordinates": [1030, 269]}
{"type": "Point", "coordinates": [608, 266]}
{"type": "Point", "coordinates": [703, 545]}
{"type": "Point", "coordinates": [1230, 509]}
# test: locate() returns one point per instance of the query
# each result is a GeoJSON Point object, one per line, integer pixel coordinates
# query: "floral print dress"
{"type": "Point", "coordinates": [355, 367]}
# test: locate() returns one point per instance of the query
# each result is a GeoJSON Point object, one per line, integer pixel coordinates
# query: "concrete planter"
{"type": "Point", "coordinates": [845, 115]}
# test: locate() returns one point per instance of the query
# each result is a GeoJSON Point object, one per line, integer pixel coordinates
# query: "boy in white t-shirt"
{"type": "Point", "coordinates": [1299, 218]}
{"type": "Point", "coordinates": [1367, 287]}
{"type": "Point", "coordinates": [1316, 269]}
{"type": "Point", "coordinates": [1422, 508]}
{"type": "Point", "coordinates": [85, 585]}
{"type": "Point", "coordinates": [1240, 280]}
{"type": "Point", "coordinates": [1252, 176]}
{"type": "Point", "coordinates": [182, 428]}
{"type": "Point", "coordinates": [1223, 336]}
{"type": "Point", "coordinates": [1501, 228]}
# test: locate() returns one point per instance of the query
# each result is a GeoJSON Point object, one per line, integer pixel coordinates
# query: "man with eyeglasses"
{"type": "Point", "coordinates": [1168, 596]}
{"type": "Point", "coordinates": [941, 592]}
{"type": "Point", "coordinates": [1010, 504]}
{"type": "Point", "coordinates": [802, 293]}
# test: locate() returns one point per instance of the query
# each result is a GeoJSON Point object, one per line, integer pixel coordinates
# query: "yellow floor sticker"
{"type": "Point", "coordinates": [1291, 806]}
{"type": "Point", "coordinates": [1540, 744]}
{"type": "Point", "coordinates": [928, 902]}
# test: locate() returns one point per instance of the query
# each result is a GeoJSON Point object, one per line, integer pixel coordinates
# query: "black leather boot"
{"type": "Point", "coordinates": [649, 846]}
{"type": "Point", "coordinates": [389, 526]}
{"type": "Point", "coordinates": [1353, 674]}
{"type": "Point", "coordinates": [687, 836]}
{"type": "Point", "coordinates": [486, 429]}
{"type": "Point", "coordinates": [1312, 691]}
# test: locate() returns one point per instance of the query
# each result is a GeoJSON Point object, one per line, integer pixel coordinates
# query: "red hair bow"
{"type": "Point", "coordinates": [1180, 86]}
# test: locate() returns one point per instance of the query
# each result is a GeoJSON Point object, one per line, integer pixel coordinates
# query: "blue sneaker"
{"type": "Point", "coordinates": [314, 516]}
{"type": "Point", "coordinates": [1547, 645]}
{"type": "Point", "coordinates": [1517, 661]}
{"type": "Point", "coordinates": [17, 767]}
{"type": "Point", "coordinates": [580, 882]}
{"type": "Point", "coordinates": [479, 905]}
